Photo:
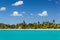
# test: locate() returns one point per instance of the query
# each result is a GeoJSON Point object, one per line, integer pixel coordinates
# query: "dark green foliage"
{"type": "Point", "coordinates": [38, 25]}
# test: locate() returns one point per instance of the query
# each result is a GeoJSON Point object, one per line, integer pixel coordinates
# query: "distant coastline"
{"type": "Point", "coordinates": [37, 25]}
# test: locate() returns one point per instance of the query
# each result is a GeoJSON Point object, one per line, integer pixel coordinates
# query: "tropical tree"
{"type": "Point", "coordinates": [24, 25]}
{"type": "Point", "coordinates": [54, 21]}
{"type": "Point", "coordinates": [38, 24]}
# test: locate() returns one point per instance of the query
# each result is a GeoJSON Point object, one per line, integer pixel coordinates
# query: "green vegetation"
{"type": "Point", "coordinates": [38, 25]}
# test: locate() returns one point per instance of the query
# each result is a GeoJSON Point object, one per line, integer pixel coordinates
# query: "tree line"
{"type": "Point", "coordinates": [37, 25]}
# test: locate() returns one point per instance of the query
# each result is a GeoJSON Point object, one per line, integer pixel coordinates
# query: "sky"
{"type": "Point", "coordinates": [15, 11]}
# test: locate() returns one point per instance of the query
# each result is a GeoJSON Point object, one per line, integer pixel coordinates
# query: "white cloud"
{"type": "Point", "coordinates": [16, 13]}
{"type": "Point", "coordinates": [31, 14]}
{"type": "Point", "coordinates": [17, 3]}
{"type": "Point", "coordinates": [44, 13]}
{"type": "Point", "coordinates": [23, 12]}
{"type": "Point", "coordinates": [2, 8]}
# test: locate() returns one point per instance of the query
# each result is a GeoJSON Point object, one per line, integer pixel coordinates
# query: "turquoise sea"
{"type": "Point", "coordinates": [29, 34]}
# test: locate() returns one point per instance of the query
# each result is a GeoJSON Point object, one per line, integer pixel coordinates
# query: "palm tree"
{"type": "Point", "coordinates": [24, 24]}
{"type": "Point", "coordinates": [54, 21]}
{"type": "Point", "coordinates": [39, 26]}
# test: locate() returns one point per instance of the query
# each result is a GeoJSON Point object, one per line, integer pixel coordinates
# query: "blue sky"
{"type": "Point", "coordinates": [15, 11]}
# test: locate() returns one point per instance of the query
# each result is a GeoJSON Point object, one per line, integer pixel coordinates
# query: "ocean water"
{"type": "Point", "coordinates": [29, 34]}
